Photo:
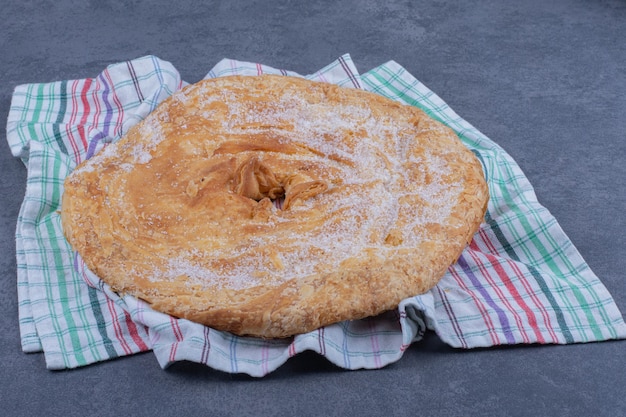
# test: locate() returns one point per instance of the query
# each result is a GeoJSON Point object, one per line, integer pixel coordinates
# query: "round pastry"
{"type": "Point", "coordinates": [271, 206]}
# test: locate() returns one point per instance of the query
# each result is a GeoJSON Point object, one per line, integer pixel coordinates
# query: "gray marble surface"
{"type": "Point", "coordinates": [544, 79]}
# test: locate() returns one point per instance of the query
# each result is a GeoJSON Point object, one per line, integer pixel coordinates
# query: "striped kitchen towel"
{"type": "Point", "coordinates": [520, 280]}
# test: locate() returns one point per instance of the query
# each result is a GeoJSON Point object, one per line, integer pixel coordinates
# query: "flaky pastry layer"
{"type": "Point", "coordinates": [271, 206]}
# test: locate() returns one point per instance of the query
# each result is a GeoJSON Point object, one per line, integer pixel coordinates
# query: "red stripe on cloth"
{"type": "Point", "coordinates": [85, 103]}
{"type": "Point", "coordinates": [85, 107]}
{"type": "Point", "coordinates": [292, 349]}
{"type": "Point", "coordinates": [173, 352]}
{"type": "Point", "coordinates": [75, 106]}
{"type": "Point", "coordinates": [73, 144]}
{"type": "Point", "coordinates": [495, 340]}
{"type": "Point", "coordinates": [532, 318]}
{"type": "Point", "coordinates": [83, 136]}
{"type": "Point", "coordinates": [134, 333]}
{"type": "Point", "coordinates": [502, 298]}
{"type": "Point", "coordinates": [117, 128]}
{"type": "Point", "coordinates": [403, 316]}
{"type": "Point", "coordinates": [74, 109]}
{"type": "Point", "coordinates": [72, 120]}
{"type": "Point", "coordinates": [119, 335]}
{"type": "Point", "coordinates": [178, 334]}
{"type": "Point", "coordinates": [259, 69]}
{"type": "Point", "coordinates": [96, 100]}
{"type": "Point", "coordinates": [533, 296]}
{"type": "Point", "coordinates": [495, 263]}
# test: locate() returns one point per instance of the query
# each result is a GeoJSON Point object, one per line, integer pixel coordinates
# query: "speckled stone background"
{"type": "Point", "coordinates": [544, 79]}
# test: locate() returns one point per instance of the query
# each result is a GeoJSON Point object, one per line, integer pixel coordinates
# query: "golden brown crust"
{"type": "Point", "coordinates": [271, 206]}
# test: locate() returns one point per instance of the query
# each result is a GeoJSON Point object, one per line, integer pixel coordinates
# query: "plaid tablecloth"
{"type": "Point", "coordinates": [520, 280]}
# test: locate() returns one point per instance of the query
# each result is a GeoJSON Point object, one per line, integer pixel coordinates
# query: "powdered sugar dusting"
{"type": "Point", "coordinates": [150, 128]}
{"type": "Point", "coordinates": [379, 178]}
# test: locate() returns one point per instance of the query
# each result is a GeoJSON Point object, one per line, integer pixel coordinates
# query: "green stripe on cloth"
{"type": "Point", "coordinates": [101, 323]}
{"type": "Point", "coordinates": [58, 267]}
{"type": "Point", "coordinates": [61, 116]}
{"type": "Point", "coordinates": [546, 258]}
{"type": "Point", "coordinates": [540, 281]}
